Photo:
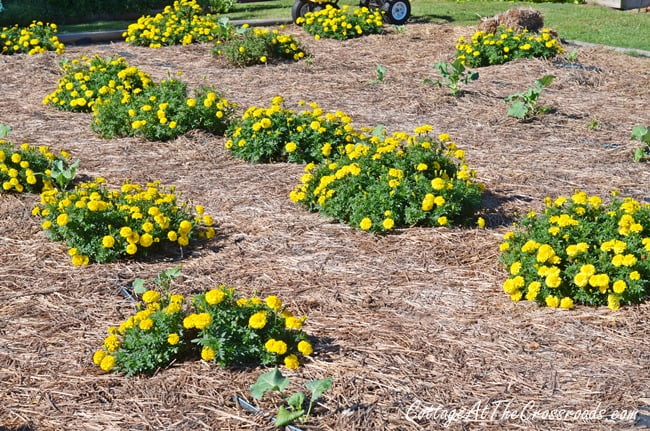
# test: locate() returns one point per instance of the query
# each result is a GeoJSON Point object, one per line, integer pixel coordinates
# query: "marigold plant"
{"type": "Point", "coordinates": [277, 134]}
{"type": "Point", "coordinates": [162, 111]}
{"type": "Point", "coordinates": [580, 250]}
{"type": "Point", "coordinates": [34, 39]}
{"type": "Point", "coordinates": [103, 225]}
{"type": "Point", "coordinates": [150, 339]}
{"type": "Point", "coordinates": [343, 23]}
{"type": "Point", "coordinates": [258, 46]}
{"type": "Point", "coordinates": [27, 168]}
{"type": "Point", "coordinates": [86, 79]}
{"type": "Point", "coordinates": [485, 49]}
{"type": "Point", "coordinates": [385, 182]}
{"type": "Point", "coordinates": [181, 23]}
{"type": "Point", "coordinates": [246, 331]}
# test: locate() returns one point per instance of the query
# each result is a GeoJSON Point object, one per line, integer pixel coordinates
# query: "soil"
{"type": "Point", "coordinates": [412, 326]}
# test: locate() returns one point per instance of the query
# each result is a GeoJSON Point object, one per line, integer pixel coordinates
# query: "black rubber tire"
{"type": "Point", "coordinates": [396, 12]}
{"type": "Point", "coordinates": [300, 8]}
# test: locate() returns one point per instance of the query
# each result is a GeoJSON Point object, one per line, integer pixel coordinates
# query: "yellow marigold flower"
{"type": "Point", "coordinates": [553, 280]}
{"type": "Point", "coordinates": [581, 279]}
{"type": "Point", "coordinates": [545, 253]}
{"type": "Point", "coordinates": [438, 184]}
{"type": "Point", "coordinates": [112, 343]}
{"type": "Point", "coordinates": [305, 348]}
{"type": "Point", "coordinates": [207, 354]}
{"type": "Point", "coordinates": [202, 320]}
{"type": "Point", "coordinates": [293, 323]}
{"type": "Point", "coordinates": [257, 320]}
{"type": "Point", "coordinates": [108, 241]}
{"type": "Point", "coordinates": [619, 286]}
{"type": "Point", "coordinates": [131, 249]}
{"type": "Point", "coordinates": [146, 324]}
{"type": "Point", "coordinates": [126, 232]}
{"type": "Point", "coordinates": [98, 356]}
{"type": "Point", "coordinates": [566, 303]}
{"type": "Point", "coordinates": [172, 236]}
{"type": "Point", "coordinates": [184, 227]}
{"type": "Point", "coordinates": [173, 307]}
{"type": "Point", "coordinates": [504, 246]}
{"type": "Point", "coordinates": [276, 346]}
{"type": "Point", "coordinates": [634, 275]}
{"type": "Point", "coordinates": [388, 223]}
{"type": "Point", "coordinates": [480, 222]}
{"type": "Point", "coordinates": [150, 296]}
{"type": "Point", "coordinates": [613, 302]}
{"type": "Point", "coordinates": [214, 296]}
{"type": "Point", "coordinates": [515, 268]}
{"type": "Point", "coordinates": [80, 260]}
{"type": "Point", "coordinates": [191, 102]}
{"type": "Point", "coordinates": [365, 223]}
{"type": "Point", "coordinates": [107, 363]}
{"type": "Point", "coordinates": [442, 221]}
{"type": "Point", "coordinates": [62, 219]}
{"type": "Point", "coordinates": [273, 302]}
{"type": "Point", "coordinates": [552, 301]}
{"type": "Point", "coordinates": [146, 240]}
{"type": "Point", "coordinates": [173, 339]}
{"type": "Point", "coordinates": [291, 362]}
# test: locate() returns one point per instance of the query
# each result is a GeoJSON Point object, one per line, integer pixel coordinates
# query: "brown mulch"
{"type": "Point", "coordinates": [404, 323]}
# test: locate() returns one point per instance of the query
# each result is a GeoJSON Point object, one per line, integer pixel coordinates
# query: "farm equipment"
{"type": "Point", "coordinates": [396, 12]}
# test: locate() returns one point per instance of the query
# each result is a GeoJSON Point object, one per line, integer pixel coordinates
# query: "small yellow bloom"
{"type": "Point", "coordinates": [207, 354]}
{"type": "Point", "coordinates": [305, 348]}
{"type": "Point", "coordinates": [257, 320]}
{"type": "Point", "coordinates": [173, 339]}
{"type": "Point", "coordinates": [365, 223]}
{"type": "Point", "coordinates": [291, 362]}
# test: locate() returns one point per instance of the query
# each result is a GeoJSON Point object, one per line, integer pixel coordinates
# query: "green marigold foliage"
{"type": "Point", "coordinates": [161, 111]}
{"type": "Point", "coordinates": [149, 340]}
{"type": "Point", "coordinates": [343, 23]}
{"type": "Point", "coordinates": [181, 23]}
{"type": "Point", "coordinates": [258, 46]}
{"type": "Point", "coordinates": [35, 39]}
{"type": "Point", "coordinates": [86, 79]}
{"type": "Point", "coordinates": [277, 134]}
{"type": "Point", "coordinates": [385, 182]}
{"type": "Point", "coordinates": [580, 250]}
{"type": "Point", "coordinates": [26, 168]}
{"type": "Point", "coordinates": [485, 49]}
{"type": "Point", "coordinates": [250, 331]}
{"type": "Point", "coordinates": [103, 225]}
{"type": "Point", "coordinates": [216, 326]}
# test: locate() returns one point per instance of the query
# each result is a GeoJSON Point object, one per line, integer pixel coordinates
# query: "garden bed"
{"type": "Point", "coordinates": [403, 322]}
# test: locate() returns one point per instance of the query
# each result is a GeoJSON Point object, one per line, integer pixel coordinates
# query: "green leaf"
{"type": "Point", "coordinates": [138, 286]}
{"type": "Point", "coordinates": [639, 154]}
{"type": "Point", "coordinates": [318, 387]}
{"type": "Point", "coordinates": [296, 400]}
{"type": "Point", "coordinates": [641, 133]}
{"type": "Point", "coordinates": [4, 130]}
{"type": "Point", "coordinates": [518, 110]}
{"type": "Point", "coordinates": [285, 417]}
{"type": "Point", "coordinates": [545, 80]}
{"type": "Point", "coordinates": [270, 381]}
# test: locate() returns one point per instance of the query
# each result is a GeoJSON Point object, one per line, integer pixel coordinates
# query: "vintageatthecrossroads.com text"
{"type": "Point", "coordinates": [501, 411]}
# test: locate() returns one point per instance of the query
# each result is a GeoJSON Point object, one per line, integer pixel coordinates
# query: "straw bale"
{"type": "Point", "coordinates": [401, 322]}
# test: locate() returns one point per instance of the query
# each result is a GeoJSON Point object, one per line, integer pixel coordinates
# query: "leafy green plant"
{"type": "Point", "coordinates": [181, 23]}
{"type": "Point", "coordinates": [525, 105]}
{"type": "Point", "coordinates": [380, 74]}
{"type": "Point", "coordinates": [150, 339]}
{"type": "Point", "coordinates": [641, 134]}
{"type": "Point", "coordinates": [572, 57]}
{"type": "Point", "coordinates": [103, 225]}
{"type": "Point", "coordinates": [274, 381]}
{"type": "Point", "coordinates": [593, 125]}
{"type": "Point", "coordinates": [453, 75]}
{"type": "Point", "coordinates": [343, 23]}
{"type": "Point", "coordinates": [277, 134]}
{"type": "Point", "coordinates": [580, 250]}
{"type": "Point", "coordinates": [63, 173]}
{"type": "Point", "coordinates": [28, 168]}
{"type": "Point", "coordinates": [250, 46]}
{"type": "Point", "coordinates": [384, 182]}
{"type": "Point", "coordinates": [163, 280]}
{"type": "Point", "coordinates": [240, 331]}
{"type": "Point", "coordinates": [4, 131]}
{"type": "Point", "coordinates": [162, 111]}
{"type": "Point", "coordinates": [86, 79]}
{"type": "Point", "coordinates": [496, 48]}
{"type": "Point", "coordinates": [37, 38]}
{"type": "Point", "coordinates": [218, 6]}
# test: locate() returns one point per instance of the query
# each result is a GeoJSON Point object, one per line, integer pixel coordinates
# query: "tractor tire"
{"type": "Point", "coordinates": [396, 12]}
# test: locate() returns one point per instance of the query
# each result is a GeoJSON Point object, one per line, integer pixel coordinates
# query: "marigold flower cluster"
{"type": "Point", "coordinates": [277, 134]}
{"type": "Point", "coordinates": [27, 168]}
{"type": "Point", "coordinates": [485, 49]}
{"type": "Point", "coordinates": [236, 331]}
{"type": "Point", "coordinates": [150, 339]}
{"type": "Point", "coordinates": [258, 46]}
{"type": "Point", "coordinates": [343, 23]}
{"type": "Point", "coordinates": [86, 79]}
{"type": "Point", "coordinates": [34, 39]}
{"type": "Point", "coordinates": [181, 23]}
{"type": "Point", "coordinates": [103, 225]}
{"type": "Point", "coordinates": [580, 251]}
{"type": "Point", "coordinates": [383, 182]}
{"type": "Point", "coordinates": [217, 327]}
{"type": "Point", "coordinates": [162, 111]}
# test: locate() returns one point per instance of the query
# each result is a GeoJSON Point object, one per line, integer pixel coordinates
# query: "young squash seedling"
{"type": "Point", "coordinates": [296, 402]}
{"type": "Point", "coordinates": [454, 75]}
{"type": "Point", "coordinates": [4, 129]}
{"type": "Point", "coordinates": [641, 134]}
{"type": "Point", "coordinates": [525, 105]}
